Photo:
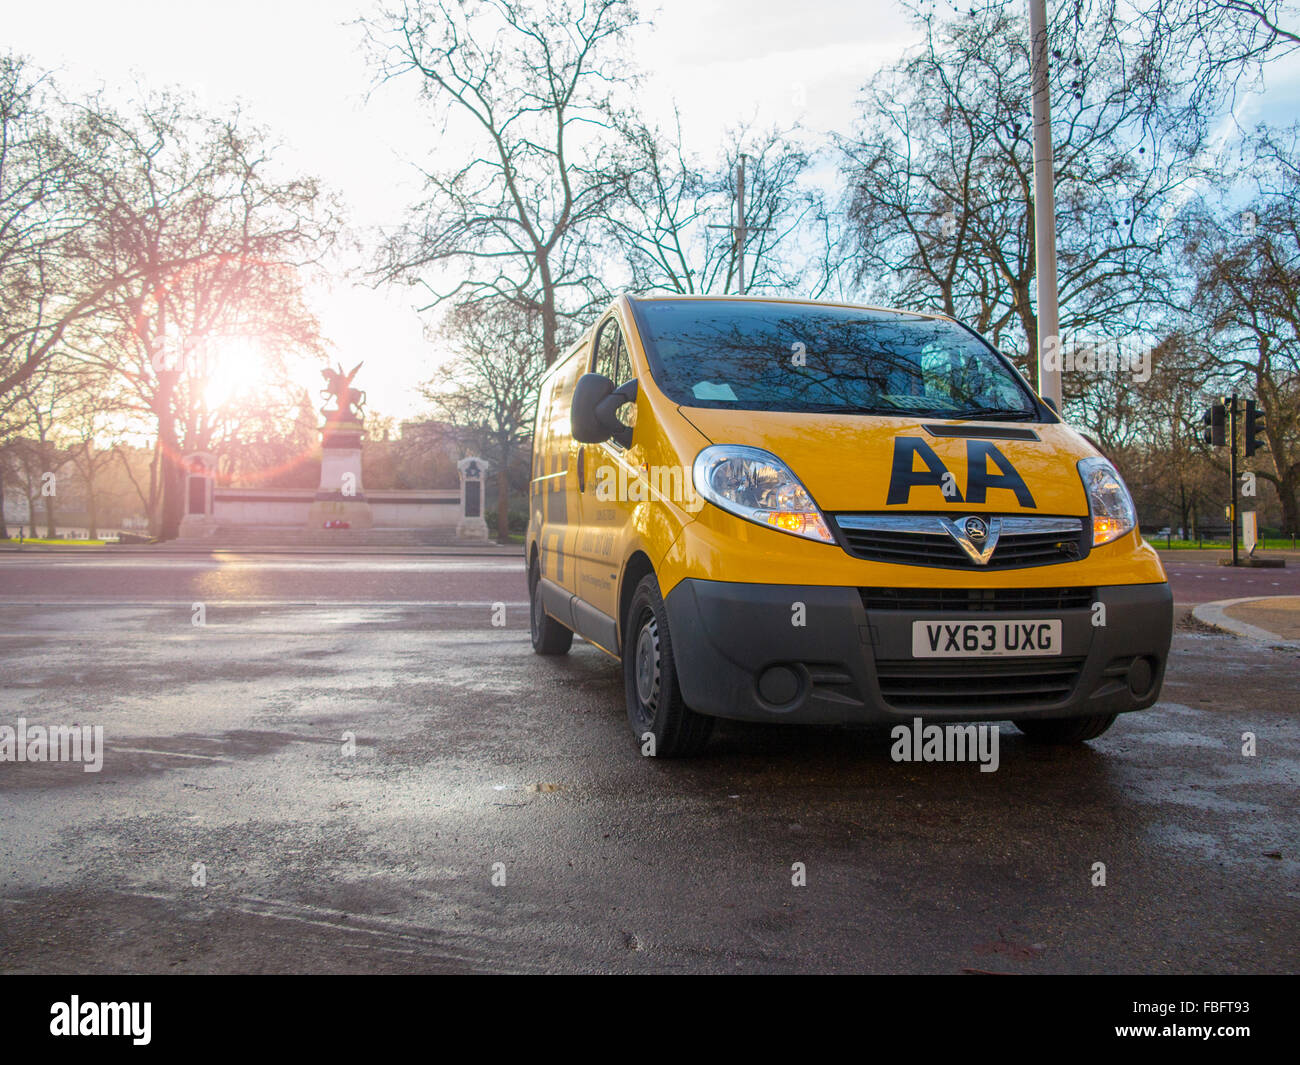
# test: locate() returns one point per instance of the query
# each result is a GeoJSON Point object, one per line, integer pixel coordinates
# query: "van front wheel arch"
{"type": "Point", "coordinates": [663, 725]}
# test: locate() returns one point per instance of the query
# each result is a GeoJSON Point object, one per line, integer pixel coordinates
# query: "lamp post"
{"type": "Point", "coordinates": [1049, 369]}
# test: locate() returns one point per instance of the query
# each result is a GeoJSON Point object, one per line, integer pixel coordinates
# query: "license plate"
{"type": "Point", "coordinates": [980, 639]}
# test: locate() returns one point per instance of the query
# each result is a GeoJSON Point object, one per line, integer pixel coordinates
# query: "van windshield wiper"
{"type": "Point", "coordinates": [1001, 414]}
{"type": "Point", "coordinates": [851, 408]}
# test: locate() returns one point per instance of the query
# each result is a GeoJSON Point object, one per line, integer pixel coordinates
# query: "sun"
{"type": "Point", "coordinates": [232, 368]}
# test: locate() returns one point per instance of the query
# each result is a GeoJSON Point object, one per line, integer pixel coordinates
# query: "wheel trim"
{"type": "Point", "coordinates": [647, 667]}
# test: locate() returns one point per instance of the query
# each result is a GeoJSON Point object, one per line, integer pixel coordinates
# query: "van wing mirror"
{"type": "Point", "coordinates": [593, 414]}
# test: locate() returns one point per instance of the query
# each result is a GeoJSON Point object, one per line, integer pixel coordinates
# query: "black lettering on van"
{"type": "Point", "coordinates": [979, 480]}
{"type": "Point", "coordinates": [902, 477]}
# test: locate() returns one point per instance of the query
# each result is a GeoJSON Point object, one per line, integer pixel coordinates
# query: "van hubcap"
{"type": "Point", "coordinates": [647, 664]}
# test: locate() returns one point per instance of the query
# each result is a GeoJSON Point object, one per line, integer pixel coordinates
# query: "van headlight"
{"type": "Point", "coordinates": [1109, 502]}
{"type": "Point", "coordinates": [759, 487]}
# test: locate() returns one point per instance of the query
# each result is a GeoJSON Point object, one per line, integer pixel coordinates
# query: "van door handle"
{"type": "Point", "coordinates": [582, 469]}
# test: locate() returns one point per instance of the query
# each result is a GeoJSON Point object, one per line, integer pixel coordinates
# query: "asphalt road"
{"type": "Point", "coordinates": [233, 828]}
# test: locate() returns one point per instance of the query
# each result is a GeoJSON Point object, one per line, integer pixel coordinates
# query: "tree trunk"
{"type": "Point", "coordinates": [173, 473]}
{"type": "Point", "coordinates": [4, 529]}
{"type": "Point", "coordinates": [550, 322]}
{"type": "Point", "coordinates": [1286, 492]}
{"type": "Point", "coordinates": [503, 506]}
{"type": "Point", "coordinates": [155, 462]}
{"type": "Point", "coordinates": [1029, 322]}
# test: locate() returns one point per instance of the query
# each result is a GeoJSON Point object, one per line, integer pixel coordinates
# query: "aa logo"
{"type": "Point", "coordinates": [986, 468]}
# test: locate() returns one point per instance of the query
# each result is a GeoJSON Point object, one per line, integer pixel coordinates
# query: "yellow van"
{"type": "Point", "coordinates": [785, 510]}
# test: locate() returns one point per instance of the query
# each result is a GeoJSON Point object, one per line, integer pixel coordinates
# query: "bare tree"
{"type": "Point", "coordinates": [941, 174]}
{"type": "Point", "coordinates": [189, 209]}
{"type": "Point", "coordinates": [41, 450]}
{"type": "Point", "coordinates": [1247, 263]}
{"type": "Point", "coordinates": [44, 285]}
{"type": "Point", "coordinates": [676, 225]}
{"type": "Point", "coordinates": [534, 87]}
{"type": "Point", "coordinates": [1222, 43]}
{"type": "Point", "coordinates": [488, 388]}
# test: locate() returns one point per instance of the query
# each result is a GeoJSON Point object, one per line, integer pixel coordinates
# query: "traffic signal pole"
{"type": "Point", "coordinates": [1232, 467]}
{"type": "Point", "coordinates": [1219, 427]}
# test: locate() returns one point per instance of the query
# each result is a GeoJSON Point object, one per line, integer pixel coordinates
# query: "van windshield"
{"type": "Point", "coordinates": [807, 357]}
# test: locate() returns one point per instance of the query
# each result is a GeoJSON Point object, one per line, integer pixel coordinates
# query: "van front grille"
{"type": "Point", "coordinates": [926, 540]}
{"type": "Point", "coordinates": [936, 600]}
{"type": "Point", "coordinates": [976, 685]}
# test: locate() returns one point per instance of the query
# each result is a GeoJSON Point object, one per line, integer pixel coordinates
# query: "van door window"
{"type": "Point", "coordinates": [611, 355]}
{"type": "Point", "coordinates": [612, 360]}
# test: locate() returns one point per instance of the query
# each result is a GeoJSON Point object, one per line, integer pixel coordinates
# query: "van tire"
{"type": "Point", "coordinates": [549, 636]}
{"type": "Point", "coordinates": [654, 698]}
{"type": "Point", "coordinates": [1065, 730]}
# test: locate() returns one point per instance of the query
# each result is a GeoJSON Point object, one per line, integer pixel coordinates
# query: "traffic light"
{"type": "Point", "coordinates": [1254, 428]}
{"type": "Point", "coordinates": [1212, 426]}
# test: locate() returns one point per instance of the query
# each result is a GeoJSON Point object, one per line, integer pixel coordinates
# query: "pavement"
{"type": "Point", "coordinates": [357, 764]}
{"type": "Point", "coordinates": [1271, 619]}
{"type": "Point", "coordinates": [1277, 615]}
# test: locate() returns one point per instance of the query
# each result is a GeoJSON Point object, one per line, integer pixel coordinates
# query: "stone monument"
{"type": "Point", "coordinates": [200, 475]}
{"type": "Point", "coordinates": [340, 501]}
{"type": "Point", "coordinates": [471, 525]}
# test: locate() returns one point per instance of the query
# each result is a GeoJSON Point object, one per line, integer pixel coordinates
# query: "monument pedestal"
{"type": "Point", "coordinates": [200, 478]}
{"type": "Point", "coordinates": [472, 525]}
{"type": "Point", "coordinates": [341, 497]}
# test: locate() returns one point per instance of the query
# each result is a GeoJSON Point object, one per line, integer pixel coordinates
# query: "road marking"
{"type": "Point", "coordinates": [333, 564]}
{"type": "Point", "coordinates": [168, 754]}
{"type": "Point", "coordinates": [188, 604]}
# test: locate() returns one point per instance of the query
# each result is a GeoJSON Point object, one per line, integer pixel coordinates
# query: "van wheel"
{"type": "Point", "coordinates": [549, 636]}
{"type": "Point", "coordinates": [654, 699]}
{"type": "Point", "coordinates": [1066, 730]}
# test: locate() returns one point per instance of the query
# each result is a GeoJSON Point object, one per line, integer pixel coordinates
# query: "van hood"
{"type": "Point", "coordinates": [872, 463]}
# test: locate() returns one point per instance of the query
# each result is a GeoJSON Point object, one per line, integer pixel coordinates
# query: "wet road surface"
{"type": "Point", "coordinates": [303, 786]}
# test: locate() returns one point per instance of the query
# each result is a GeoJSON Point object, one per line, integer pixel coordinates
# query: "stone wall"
{"type": "Point", "coordinates": [392, 508]}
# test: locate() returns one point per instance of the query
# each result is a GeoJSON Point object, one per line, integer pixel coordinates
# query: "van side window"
{"type": "Point", "coordinates": [612, 358]}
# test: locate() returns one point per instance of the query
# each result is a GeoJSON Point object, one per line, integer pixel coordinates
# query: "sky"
{"type": "Point", "coordinates": [299, 68]}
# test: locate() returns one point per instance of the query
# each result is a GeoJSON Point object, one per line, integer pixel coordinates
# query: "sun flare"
{"type": "Point", "coordinates": [233, 368]}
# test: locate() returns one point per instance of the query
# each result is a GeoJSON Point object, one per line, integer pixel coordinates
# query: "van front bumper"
{"type": "Point", "coordinates": [826, 655]}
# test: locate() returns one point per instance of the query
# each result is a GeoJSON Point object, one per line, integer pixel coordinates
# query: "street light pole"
{"type": "Point", "coordinates": [1049, 376]}
{"type": "Point", "coordinates": [740, 230]}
